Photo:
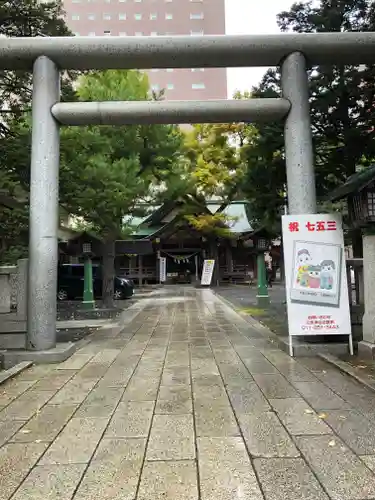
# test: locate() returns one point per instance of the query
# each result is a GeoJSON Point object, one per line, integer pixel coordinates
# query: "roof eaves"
{"type": "Point", "coordinates": [355, 182]}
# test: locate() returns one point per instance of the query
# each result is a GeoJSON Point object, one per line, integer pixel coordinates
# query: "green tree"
{"type": "Point", "coordinates": [106, 170]}
{"type": "Point", "coordinates": [28, 18]}
{"type": "Point", "coordinates": [209, 168]}
{"type": "Point", "coordinates": [342, 111]}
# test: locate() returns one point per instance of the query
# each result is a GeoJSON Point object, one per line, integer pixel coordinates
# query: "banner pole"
{"type": "Point", "coordinates": [291, 354]}
{"type": "Point", "coordinates": [351, 350]}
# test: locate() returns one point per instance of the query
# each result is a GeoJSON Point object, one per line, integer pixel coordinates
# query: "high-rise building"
{"type": "Point", "coordinates": [155, 18]}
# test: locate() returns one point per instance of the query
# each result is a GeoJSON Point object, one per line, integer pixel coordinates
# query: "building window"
{"type": "Point", "coordinates": [154, 33]}
{"type": "Point", "coordinates": [196, 33]}
{"type": "Point", "coordinates": [122, 17]}
{"type": "Point", "coordinates": [170, 86]}
{"type": "Point", "coordinates": [75, 17]}
{"type": "Point", "coordinates": [198, 86]}
{"type": "Point", "coordinates": [91, 17]}
{"type": "Point", "coordinates": [138, 1]}
{"type": "Point", "coordinates": [107, 33]}
{"type": "Point", "coordinates": [155, 87]}
{"type": "Point", "coordinates": [198, 15]}
{"type": "Point", "coordinates": [170, 70]}
{"type": "Point", "coordinates": [76, 1]}
{"type": "Point", "coordinates": [122, 1]}
{"type": "Point", "coordinates": [122, 33]}
{"type": "Point", "coordinates": [153, 16]}
{"type": "Point", "coordinates": [76, 33]}
{"type": "Point", "coordinates": [138, 33]}
{"type": "Point", "coordinates": [168, 1]}
{"type": "Point", "coordinates": [91, 33]}
{"type": "Point", "coordinates": [196, 70]}
{"type": "Point", "coordinates": [107, 1]}
{"type": "Point", "coordinates": [168, 16]}
{"type": "Point", "coordinates": [196, 1]}
{"type": "Point", "coordinates": [107, 17]}
{"type": "Point", "coordinates": [138, 17]}
{"type": "Point", "coordinates": [154, 70]}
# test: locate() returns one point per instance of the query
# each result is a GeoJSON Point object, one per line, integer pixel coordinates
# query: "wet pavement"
{"type": "Point", "coordinates": [188, 401]}
{"type": "Point", "coordinates": [244, 300]}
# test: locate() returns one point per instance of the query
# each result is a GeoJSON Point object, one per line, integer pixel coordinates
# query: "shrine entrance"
{"type": "Point", "coordinates": [183, 267]}
{"type": "Point", "coordinates": [46, 57]}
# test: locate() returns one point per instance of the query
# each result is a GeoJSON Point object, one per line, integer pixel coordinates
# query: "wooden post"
{"type": "Point", "coordinates": [157, 266]}
{"type": "Point", "coordinates": [229, 258]}
{"type": "Point", "coordinates": [130, 267]}
{"type": "Point", "coordinates": [214, 254]}
{"type": "Point", "coordinates": [140, 270]}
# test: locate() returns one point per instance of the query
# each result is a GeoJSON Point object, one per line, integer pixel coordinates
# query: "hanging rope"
{"type": "Point", "coordinates": [180, 258]}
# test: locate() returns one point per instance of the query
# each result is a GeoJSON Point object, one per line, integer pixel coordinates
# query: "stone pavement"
{"type": "Point", "coordinates": [186, 402]}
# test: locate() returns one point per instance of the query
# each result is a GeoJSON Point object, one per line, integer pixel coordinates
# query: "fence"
{"type": "Point", "coordinates": [139, 274]}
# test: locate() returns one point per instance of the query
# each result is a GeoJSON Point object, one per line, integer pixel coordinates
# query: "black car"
{"type": "Point", "coordinates": [71, 280]}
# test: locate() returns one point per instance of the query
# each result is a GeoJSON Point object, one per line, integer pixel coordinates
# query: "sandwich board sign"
{"type": "Point", "coordinates": [207, 273]}
{"type": "Point", "coordinates": [163, 269]}
{"type": "Point", "coordinates": [315, 274]}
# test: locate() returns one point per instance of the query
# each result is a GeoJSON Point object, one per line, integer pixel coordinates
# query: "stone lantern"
{"type": "Point", "coordinates": [260, 242]}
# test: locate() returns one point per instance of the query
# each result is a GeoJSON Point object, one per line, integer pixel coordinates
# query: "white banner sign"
{"type": "Point", "coordinates": [208, 270]}
{"type": "Point", "coordinates": [163, 269]}
{"type": "Point", "coordinates": [316, 283]}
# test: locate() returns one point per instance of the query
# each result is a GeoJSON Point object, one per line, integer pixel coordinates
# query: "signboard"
{"type": "Point", "coordinates": [208, 270]}
{"type": "Point", "coordinates": [135, 247]}
{"type": "Point", "coordinates": [316, 283]}
{"type": "Point", "coordinates": [163, 269]}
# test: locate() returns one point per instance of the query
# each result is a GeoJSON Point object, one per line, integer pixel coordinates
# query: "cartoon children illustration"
{"type": "Point", "coordinates": [314, 279]}
{"type": "Point", "coordinates": [327, 274]}
{"type": "Point", "coordinates": [303, 262]}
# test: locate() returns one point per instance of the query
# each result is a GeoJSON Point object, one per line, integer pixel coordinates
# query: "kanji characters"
{"type": "Point", "coordinates": [293, 227]}
{"type": "Point", "coordinates": [317, 226]}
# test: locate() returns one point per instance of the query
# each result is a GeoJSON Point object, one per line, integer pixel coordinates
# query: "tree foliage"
{"type": "Point", "coordinates": [209, 168]}
{"type": "Point", "coordinates": [28, 18]}
{"type": "Point", "coordinates": [107, 170]}
{"type": "Point", "coordinates": [342, 111]}
{"type": "Point", "coordinates": [117, 165]}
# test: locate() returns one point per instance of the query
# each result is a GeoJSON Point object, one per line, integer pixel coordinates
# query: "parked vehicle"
{"type": "Point", "coordinates": [71, 282]}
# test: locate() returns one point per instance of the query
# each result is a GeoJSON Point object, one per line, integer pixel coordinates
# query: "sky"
{"type": "Point", "coordinates": [250, 17]}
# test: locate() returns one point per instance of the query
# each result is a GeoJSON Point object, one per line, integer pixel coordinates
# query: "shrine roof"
{"type": "Point", "coordinates": [355, 183]}
{"type": "Point", "coordinates": [161, 216]}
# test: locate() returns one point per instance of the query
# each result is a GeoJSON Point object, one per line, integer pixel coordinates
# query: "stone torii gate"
{"type": "Point", "coordinates": [46, 57]}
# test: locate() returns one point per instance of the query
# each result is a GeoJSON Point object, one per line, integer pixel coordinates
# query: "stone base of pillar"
{"type": "Point", "coordinates": [368, 328]}
{"type": "Point", "coordinates": [263, 300]}
{"type": "Point", "coordinates": [366, 350]}
{"type": "Point", "coordinates": [56, 355]}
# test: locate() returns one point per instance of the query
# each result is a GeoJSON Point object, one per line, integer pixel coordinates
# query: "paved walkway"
{"type": "Point", "coordinates": [187, 402]}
